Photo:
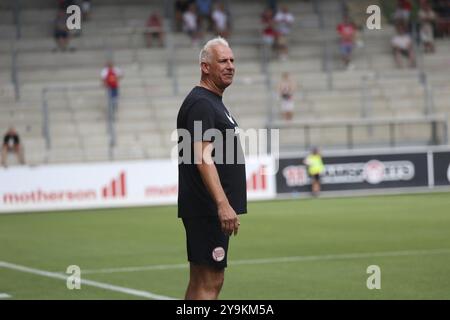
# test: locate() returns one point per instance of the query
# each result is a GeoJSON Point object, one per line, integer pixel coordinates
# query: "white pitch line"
{"type": "Point", "coordinates": [135, 269]}
{"type": "Point", "coordinates": [281, 260]}
{"type": "Point", "coordinates": [55, 275]}
{"type": "Point", "coordinates": [4, 296]}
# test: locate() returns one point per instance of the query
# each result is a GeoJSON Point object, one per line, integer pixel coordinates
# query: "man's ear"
{"type": "Point", "coordinates": [205, 67]}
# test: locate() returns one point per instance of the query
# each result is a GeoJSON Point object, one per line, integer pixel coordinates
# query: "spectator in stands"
{"type": "Point", "coordinates": [402, 45]}
{"type": "Point", "coordinates": [190, 25]}
{"type": "Point", "coordinates": [272, 4]}
{"type": "Point", "coordinates": [110, 77]}
{"type": "Point", "coordinates": [11, 143]}
{"type": "Point", "coordinates": [316, 168]}
{"type": "Point", "coordinates": [220, 21]}
{"type": "Point", "coordinates": [347, 35]}
{"type": "Point", "coordinates": [154, 29]}
{"type": "Point", "coordinates": [269, 33]}
{"type": "Point", "coordinates": [403, 11]}
{"type": "Point", "coordinates": [283, 21]}
{"type": "Point", "coordinates": [61, 32]}
{"type": "Point", "coordinates": [204, 14]}
{"type": "Point", "coordinates": [427, 18]}
{"type": "Point", "coordinates": [286, 89]}
{"type": "Point", "coordinates": [267, 17]}
{"type": "Point", "coordinates": [181, 6]}
{"type": "Point", "coordinates": [442, 8]}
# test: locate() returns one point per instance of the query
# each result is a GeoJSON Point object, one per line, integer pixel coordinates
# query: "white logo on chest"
{"type": "Point", "coordinates": [229, 118]}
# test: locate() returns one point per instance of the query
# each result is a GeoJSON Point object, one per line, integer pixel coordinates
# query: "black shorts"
{"type": "Point", "coordinates": [316, 177]}
{"type": "Point", "coordinates": [206, 243]}
{"type": "Point", "coordinates": [61, 34]}
{"type": "Point", "coordinates": [404, 53]}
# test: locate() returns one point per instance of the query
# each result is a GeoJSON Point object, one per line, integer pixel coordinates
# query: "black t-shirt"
{"type": "Point", "coordinates": [194, 199]}
{"type": "Point", "coordinates": [11, 140]}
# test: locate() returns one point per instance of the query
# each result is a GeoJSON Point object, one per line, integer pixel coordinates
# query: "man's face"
{"type": "Point", "coordinates": [221, 66]}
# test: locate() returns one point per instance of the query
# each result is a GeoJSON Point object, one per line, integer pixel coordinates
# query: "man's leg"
{"type": "Point", "coordinates": [289, 115]}
{"type": "Point", "coordinates": [20, 154]}
{"type": "Point", "coordinates": [115, 104]}
{"type": "Point", "coordinates": [4, 155]}
{"type": "Point", "coordinates": [115, 100]}
{"type": "Point", "coordinates": [205, 282]}
{"type": "Point", "coordinates": [316, 187]}
{"type": "Point", "coordinates": [63, 42]}
{"type": "Point", "coordinates": [398, 58]}
{"type": "Point", "coordinates": [344, 54]}
{"type": "Point", "coordinates": [113, 95]}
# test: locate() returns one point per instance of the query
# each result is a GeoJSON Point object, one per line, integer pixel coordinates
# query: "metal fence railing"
{"type": "Point", "coordinates": [110, 110]}
{"type": "Point", "coordinates": [437, 134]}
{"type": "Point", "coordinates": [14, 73]}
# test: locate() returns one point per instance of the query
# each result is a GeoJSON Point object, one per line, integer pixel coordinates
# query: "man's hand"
{"type": "Point", "coordinates": [228, 219]}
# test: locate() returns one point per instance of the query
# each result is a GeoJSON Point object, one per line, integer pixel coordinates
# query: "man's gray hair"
{"type": "Point", "coordinates": [205, 53]}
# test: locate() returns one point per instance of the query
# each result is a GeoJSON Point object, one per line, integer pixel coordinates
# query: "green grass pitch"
{"type": "Point", "coordinates": [290, 249]}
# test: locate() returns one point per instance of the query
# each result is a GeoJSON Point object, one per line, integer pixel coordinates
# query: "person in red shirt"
{"type": "Point", "coordinates": [269, 33]}
{"type": "Point", "coordinates": [154, 29]}
{"type": "Point", "coordinates": [110, 76]}
{"type": "Point", "coordinates": [267, 17]}
{"type": "Point", "coordinates": [403, 11]}
{"type": "Point", "coordinates": [347, 34]}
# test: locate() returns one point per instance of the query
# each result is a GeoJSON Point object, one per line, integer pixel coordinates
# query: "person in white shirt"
{"type": "Point", "coordinates": [283, 20]}
{"type": "Point", "coordinates": [427, 18]}
{"type": "Point", "coordinates": [190, 25]}
{"type": "Point", "coordinates": [402, 45]}
{"type": "Point", "coordinates": [286, 90]}
{"type": "Point", "coordinates": [220, 20]}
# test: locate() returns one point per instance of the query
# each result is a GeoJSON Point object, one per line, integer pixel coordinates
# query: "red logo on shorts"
{"type": "Point", "coordinates": [218, 254]}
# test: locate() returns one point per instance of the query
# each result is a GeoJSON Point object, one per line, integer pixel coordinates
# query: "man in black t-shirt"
{"type": "Point", "coordinates": [11, 143]}
{"type": "Point", "coordinates": [211, 172]}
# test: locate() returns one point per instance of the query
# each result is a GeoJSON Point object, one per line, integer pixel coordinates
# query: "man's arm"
{"type": "Point", "coordinates": [227, 216]}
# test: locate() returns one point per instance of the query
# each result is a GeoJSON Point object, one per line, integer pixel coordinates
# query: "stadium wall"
{"type": "Point", "coordinates": [113, 184]}
{"type": "Point", "coordinates": [362, 172]}
{"type": "Point", "coordinates": [154, 182]}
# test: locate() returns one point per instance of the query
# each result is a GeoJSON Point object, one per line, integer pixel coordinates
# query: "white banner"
{"type": "Point", "coordinates": [114, 184]}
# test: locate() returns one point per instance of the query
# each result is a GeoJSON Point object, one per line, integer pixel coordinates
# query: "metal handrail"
{"type": "Point", "coordinates": [317, 7]}
{"type": "Point", "coordinates": [16, 16]}
{"type": "Point", "coordinates": [350, 124]}
{"type": "Point", "coordinates": [358, 121]}
{"type": "Point", "coordinates": [66, 88]}
{"type": "Point", "coordinates": [15, 73]}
